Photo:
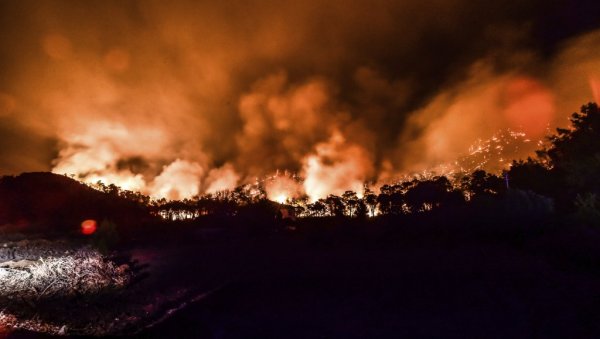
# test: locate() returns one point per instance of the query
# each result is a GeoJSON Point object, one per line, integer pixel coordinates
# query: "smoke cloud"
{"type": "Point", "coordinates": [282, 188]}
{"type": "Point", "coordinates": [194, 97]}
{"type": "Point", "coordinates": [335, 167]}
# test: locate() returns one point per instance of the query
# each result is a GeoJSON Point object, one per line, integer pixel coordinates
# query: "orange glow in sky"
{"type": "Point", "coordinates": [595, 86]}
{"type": "Point", "coordinates": [191, 97]}
{"type": "Point", "coordinates": [529, 106]}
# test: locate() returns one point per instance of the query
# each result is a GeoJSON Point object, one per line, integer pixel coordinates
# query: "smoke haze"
{"type": "Point", "coordinates": [188, 97]}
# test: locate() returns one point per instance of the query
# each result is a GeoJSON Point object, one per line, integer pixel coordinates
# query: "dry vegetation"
{"type": "Point", "coordinates": [82, 273]}
{"type": "Point", "coordinates": [27, 285]}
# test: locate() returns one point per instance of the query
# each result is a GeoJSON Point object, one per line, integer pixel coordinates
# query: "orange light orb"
{"type": "Point", "coordinates": [88, 227]}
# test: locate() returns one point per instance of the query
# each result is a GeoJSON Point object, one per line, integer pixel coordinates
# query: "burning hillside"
{"type": "Point", "coordinates": [199, 97]}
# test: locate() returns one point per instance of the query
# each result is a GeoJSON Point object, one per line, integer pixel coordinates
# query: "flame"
{"type": "Point", "coordinates": [186, 101]}
{"type": "Point", "coordinates": [280, 188]}
{"type": "Point", "coordinates": [336, 166]}
{"type": "Point", "coordinates": [125, 180]}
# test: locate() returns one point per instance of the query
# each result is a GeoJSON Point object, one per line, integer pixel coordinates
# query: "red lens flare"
{"type": "Point", "coordinates": [88, 227]}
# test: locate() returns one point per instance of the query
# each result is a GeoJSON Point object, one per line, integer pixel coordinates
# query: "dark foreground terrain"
{"type": "Point", "coordinates": [353, 281]}
{"type": "Point", "coordinates": [503, 264]}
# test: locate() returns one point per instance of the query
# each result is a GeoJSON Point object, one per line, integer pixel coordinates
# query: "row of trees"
{"type": "Point", "coordinates": [566, 172]}
{"type": "Point", "coordinates": [401, 198]}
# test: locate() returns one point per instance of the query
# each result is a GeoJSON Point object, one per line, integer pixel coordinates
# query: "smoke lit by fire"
{"type": "Point", "coordinates": [282, 188]}
{"type": "Point", "coordinates": [186, 98]}
{"type": "Point", "coordinates": [335, 167]}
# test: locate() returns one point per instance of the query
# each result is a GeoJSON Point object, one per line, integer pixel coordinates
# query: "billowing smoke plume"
{"type": "Point", "coordinates": [476, 108]}
{"type": "Point", "coordinates": [282, 123]}
{"type": "Point", "coordinates": [178, 180]}
{"type": "Point", "coordinates": [190, 97]}
{"type": "Point", "coordinates": [335, 167]}
{"type": "Point", "coordinates": [221, 179]}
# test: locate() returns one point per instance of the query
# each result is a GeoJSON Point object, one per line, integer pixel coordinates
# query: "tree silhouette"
{"type": "Point", "coordinates": [576, 151]}
{"type": "Point", "coordinates": [384, 202]}
{"type": "Point", "coordinates": [396, 201]}
{"type": "Point", "coordinates": [335, 205]}
{"type": "Point", "coordinates": [427, 194]}
{"type": "Point", "coordinates": [317, 209]}
{"type": "Point", "coordinates": [534, 176]}
{"type": "Point", "coordinates": [370, 200]}
{"type": "Point", "coordinates": [480, 183]}
{"type": "Point", "coordinates": [351, 201]}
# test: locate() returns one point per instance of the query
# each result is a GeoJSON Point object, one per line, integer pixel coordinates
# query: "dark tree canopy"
{"type": "Point", "coordinates": [576, 151]}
